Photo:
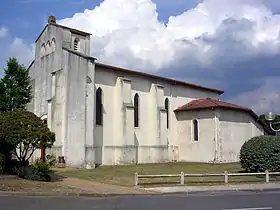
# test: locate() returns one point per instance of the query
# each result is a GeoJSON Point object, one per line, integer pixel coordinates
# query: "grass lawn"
{"type": "Point", "coordinates": [23, 185]}
{"type": "Point", "coordinates": [124, 175]}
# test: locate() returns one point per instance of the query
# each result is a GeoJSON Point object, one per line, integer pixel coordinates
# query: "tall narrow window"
{"type": "Point", "coordinates": [166, 105]}
{"type": "Point", "coordinates": [136, 110]}
{"type": "Point", "coordinates": [48, 48]}
{"type": "Point", "coordinates": [98, 107]}
{"type": "Point", "coordinates": [195, 130]}
{"type": "Point", "coordinates": [53, 45]}
{"type": "Point", "coordinates": [43, 50]}
{"type": "Point", "coordinates": [76, 44]}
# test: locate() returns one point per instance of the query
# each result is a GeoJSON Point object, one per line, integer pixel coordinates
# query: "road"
{"type": "Point", "coordinates": [228, 201]}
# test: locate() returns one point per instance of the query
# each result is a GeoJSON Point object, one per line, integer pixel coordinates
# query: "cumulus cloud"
{"type": "Point", "coordinates": [233, 43]}
{"type": "Point", "coordinates": [15, 47]}
{"type": "Point", "coordinates": [3, 32]}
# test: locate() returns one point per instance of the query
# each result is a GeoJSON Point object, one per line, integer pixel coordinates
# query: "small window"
{"type": "Point", "coordinates": [195, 130]}
{"type": "Point", "coordinates": [53, 45]}
{"type": "Point", "coordinates": [136, 110]}
{"type": "Point", "coordinates": [166, 106]}
{"type": "Point", "coordinates": [76, 44]}
{"type": "Point", "coordinates": [98, 107]}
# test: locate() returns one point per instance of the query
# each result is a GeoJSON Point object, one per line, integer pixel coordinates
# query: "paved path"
{"type": "Point", "coordinates": [228, 201]}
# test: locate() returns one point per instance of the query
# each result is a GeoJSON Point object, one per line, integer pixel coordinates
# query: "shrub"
{"type": "Point", "coordinates": [38, 171]}
{"type": "Point", "coordinates": [51, 159]}
{"type": "Point", "coordinates": [261, 153]}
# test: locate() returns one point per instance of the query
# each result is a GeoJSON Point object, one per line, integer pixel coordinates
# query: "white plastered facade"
{"type": "Point", "coordinates": [65, 79]}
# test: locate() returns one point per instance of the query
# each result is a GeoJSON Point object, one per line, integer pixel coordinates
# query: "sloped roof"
{"type": "Point", "coordinates": [73, 30]}
{"type": "Point", "coordinates": [210, 103]}
{"type": "Point", "coordinates": [156, 77]}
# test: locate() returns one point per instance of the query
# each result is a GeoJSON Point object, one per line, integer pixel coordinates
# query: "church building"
{"type": "Point", "coordinates": [106, 115]}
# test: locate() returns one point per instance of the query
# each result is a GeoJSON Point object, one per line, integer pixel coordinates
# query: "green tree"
{"type": "Point", "coordinates": [26, 132]}
{"type": "Point", "coordinates": [15, 88]}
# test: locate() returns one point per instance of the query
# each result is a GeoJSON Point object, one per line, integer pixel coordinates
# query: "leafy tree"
{"type": "Point", "coordinates": [26, 132]}
{"type": "Point", "coordinates": [15, 88]}
{"type": "Point", "coordinates": [261, 153]}
{"type": "Point", "coordinates": [5, 156]}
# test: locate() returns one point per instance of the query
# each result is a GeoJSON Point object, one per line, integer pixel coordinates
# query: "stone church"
{"type": "Point", "coordinates": [104, 114]}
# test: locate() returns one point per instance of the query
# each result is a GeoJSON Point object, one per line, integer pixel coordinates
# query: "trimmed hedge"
{"type": "Point", "coordinates": [261, 153]}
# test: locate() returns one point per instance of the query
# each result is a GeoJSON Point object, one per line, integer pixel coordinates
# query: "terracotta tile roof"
{"type": "Point", "coordinates": [210, 103]}
{"type": "Point", "coordinates": [155, 77]}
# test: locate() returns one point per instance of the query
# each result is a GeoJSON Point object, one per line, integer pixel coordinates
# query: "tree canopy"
{"type": "Point", "coordinates": [15, 88]}
{"type": "Point", "coordinates": [26, 132]}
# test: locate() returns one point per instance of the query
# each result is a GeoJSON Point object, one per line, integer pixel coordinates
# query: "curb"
{"type": "Point", "coordinates": [100, 195]}
{"type": "Point", "coordinates": [197, 192]}
{"type": "Point", "coordinates": [70, 194]}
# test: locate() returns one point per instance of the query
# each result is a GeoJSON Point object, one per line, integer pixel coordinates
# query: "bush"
{"type": "Point", "coordinates": [38, 171]}
{"type": "Point", "coordinates": [261, 153]}
{"type": "Point", "coordinates": [51, 160]}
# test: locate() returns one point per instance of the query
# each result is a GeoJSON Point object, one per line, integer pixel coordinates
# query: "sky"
{"type": "Point", "coordinates": [233, 45]}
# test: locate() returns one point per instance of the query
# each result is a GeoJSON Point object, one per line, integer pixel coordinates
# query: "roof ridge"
{"type": "Point", "coordinates": [213, 101]}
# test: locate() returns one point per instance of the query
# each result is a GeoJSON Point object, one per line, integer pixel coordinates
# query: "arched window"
{"type": "Point", "coordinates": [53, 45]}
{"type": "Point", "coordinates": [43, 50]}
{"type": "Point", "coordinates": [48, 48]}
{"type": "Point", "coordinates": [136, 110]}
{"type": "Point", "coordinates": [166, 106]}
{"type": "Point", "coordinates": [98, 107]}
{"type": "Point", "coordinates": [195, 130]}
{"type": "Point", "coordinates": [76, 44]}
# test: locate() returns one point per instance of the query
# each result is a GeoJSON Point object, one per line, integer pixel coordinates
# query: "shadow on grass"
{"type": "Point", "coordinates": [57, 178]}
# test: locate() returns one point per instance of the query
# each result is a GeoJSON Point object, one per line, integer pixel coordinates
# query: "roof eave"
{"type": "Point", "coordinates": [30, 64]}
{"type": "Point", "coordinates": [61, 26]}
{"type": "Point", "coordinates": [169, 80]}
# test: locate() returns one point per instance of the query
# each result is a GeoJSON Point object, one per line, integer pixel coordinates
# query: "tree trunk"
{"type": "Point", "coordinates": [43, 154]}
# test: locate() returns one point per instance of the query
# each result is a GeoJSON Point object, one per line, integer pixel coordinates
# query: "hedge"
{"type": "Point", "coordinates": [261, 153]}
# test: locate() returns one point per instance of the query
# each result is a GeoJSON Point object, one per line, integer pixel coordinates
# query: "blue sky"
{"type": "Point", "coordinates": [28, 22]}
{"type": "Point", "coordinates": [234, 44]}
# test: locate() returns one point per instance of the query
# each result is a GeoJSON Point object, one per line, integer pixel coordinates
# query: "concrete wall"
{"type": "Point", "coordinates": [202, 150]}
{"type": "Point", "coordinates": [222, 132]}
{"type": "Point", "coordinates": [79, 108]}
{"type": "Point", "coordinates": [236, 127]}
{"type": "Point", "coordinates": [151, 141]}
{"type": "Point", "coordinates": [46, 64]}
{"type": "Point", "coordinates": [62, 95]}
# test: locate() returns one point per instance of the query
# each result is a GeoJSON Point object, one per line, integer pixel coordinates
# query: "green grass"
{"type": "Point", "coordinates": [124, 175]}
{"type": "Point", "coordinates": [23, 185]}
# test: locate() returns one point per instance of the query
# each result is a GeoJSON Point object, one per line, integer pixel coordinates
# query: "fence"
{"type": "Point", "coordinates": [182, 176]}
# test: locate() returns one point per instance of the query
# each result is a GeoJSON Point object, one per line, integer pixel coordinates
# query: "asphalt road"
{"type": "Point", "coordinates": [228, 201]}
